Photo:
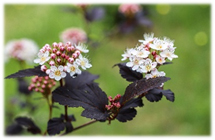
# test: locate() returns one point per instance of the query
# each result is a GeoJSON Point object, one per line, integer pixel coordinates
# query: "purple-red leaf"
{"type": "Point", "coordinates": [128, 73]}
{"type": "Point", "coordinates": [29, 124]}
{"type": "Point", "coordinates": [92, 99]}
{"type": "Point", "coordinates": [80, 81]}
{"type": "Point", "coordinates": [154, 95]}
{"type": "Point", "coordinates": [28, 72]}
{"type": "Point", "coordinates": [127, 111]}
{"type": "Point", "coordinates": [140, 87]}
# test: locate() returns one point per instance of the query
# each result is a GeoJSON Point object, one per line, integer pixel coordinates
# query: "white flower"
{"type": "Point", "coordinates": [73, 69]}
{"type": "Point", "coordinates": [155, 73]}
{"type": "Point", "coordinates": [24, 49]}
{"type": "Point", "coordinates": [158, 45]}
{"type": "Point", "coordinates": [142, 53]}
{"type": "Point", "coordinates": [82, 48]}
{"type": "Point", "coordinates": [169, 54]}
{"type": "Point", "coordinates": [128, 53]}
{"type": "Point", "coordinates": [135, 63]}
{"type": "Point", "coordinates": [170, 43]}
{"type": "Point", "coordinates": [57, 73]}
{"type": "Point", "coordinates": [160, 60]}
{"type": "Point", "coordinates": [148, 38]}
{"type": "Point", "coordinates": [43, 57]}
{"type": "Point", "coordinates": [83, 62]}
{"type": "Point", "coordinates": [148, 66]}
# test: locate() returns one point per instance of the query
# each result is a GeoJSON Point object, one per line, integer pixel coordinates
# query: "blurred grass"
{"type": "Point", "coordinates": [190, 73]}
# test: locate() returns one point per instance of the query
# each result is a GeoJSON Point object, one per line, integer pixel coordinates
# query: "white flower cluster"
{"type": "Point", "coordinates": [22, 50]}
{"type": "Point", "coordinates": [62, 58]}
{"type": "Point", "coordinates": [151, 53]}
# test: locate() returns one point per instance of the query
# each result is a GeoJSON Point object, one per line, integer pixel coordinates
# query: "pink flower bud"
{"type": "Point", "coordinates": [54, 50]}
{"type": "Point", "coordinates": [46, 77]}
{"type": "Point", "coordinates": [62, 49]}
{"type": "Point", "coordinates": [58, 60]}
{"type": "Point", "coordinates": [45, 82]}
{"type": "Point", "coordinates": [54, 83]}
{"type": "Point", "coordinates": [43, 86]}
{"type": "Point", "coordinates": [68, 43]}
{"type": "Point", "coordinates": [36, 89]}
{"type": "Point", "coordinates": [63, 55]}
{"type": "Point", "coordinates": [72, 48]}
{"type": "Point", "coordinates": [55, 45]}
{"type": "Point", "coordinates": [50, 86]}
{"type": "Point", "coordinates": [69, 49]}
{"type": "Point", "coordinates": [30, 88]}
{"type": "Point", "coordinates": [40, 79]}
{"type": "Point", "coordinates": [51, 63]}
{"type": "Point", "coordinates": [43, 68]}
{"type": "Point", "coordinates": [118, 105]}
{"type": "Point", "coordinates": [58, 53]}
{"type": "Point", "coordinates": [60, 44]}
{"type": "Point", "coordinates": [34, 80]}
{"type": "Point", "coordinates": [74, 55]}
{"type": "Point", "coordinates": [154, 53]}
{"type": "Point", "coordinates": [48, 71]}
{"type": "Point", "coordinates": [71, 60]}
{"type": "Point", "coordinates": [66, 57]}
{"type": "Point", "coordinates": [41, 90]}
{"type": "Point", "coordinates": [110, 98]}
{"type": "Point", "coordinates": [53, 56]}
{"type": "Point", "coordinates": [78, 52]}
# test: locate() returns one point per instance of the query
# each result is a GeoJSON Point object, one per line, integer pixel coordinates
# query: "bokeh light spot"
{"type": "Point", "coordinates": [201, 38]}
{"type": "Point", "coordinates": [163, 9]}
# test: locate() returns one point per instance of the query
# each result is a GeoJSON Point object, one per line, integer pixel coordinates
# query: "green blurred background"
{"type": "Point", "coordinates": [188, 25]}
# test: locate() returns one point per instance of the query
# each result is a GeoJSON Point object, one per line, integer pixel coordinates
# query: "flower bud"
{"type": "Point", "coordinates": [62, 49]}
{"type": "Point", "coordinates": [55, 45]}
{"type": "Point", "coordinates": [63, 55]}
{"type": "Point", "coordinates": [58, 60]}
{"type": "Point", "coordinates": [54, 50]}
{"type": "Point", "coordinates": [53, 56]}
{"type": "Point", "coordinates": [58, 53]}
{"type": "Point", "coordinates": [43, 68]}
{"type": "Point", "coordinates": [74, 55]}
{"type": "Point", "coordinates": [51, 63]}
{"type": "Point", "coordinates": [71, 60]}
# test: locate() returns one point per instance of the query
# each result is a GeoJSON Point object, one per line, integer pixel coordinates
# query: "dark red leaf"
{"type": "Point", "coordinates": [154, 95]}
{"type": "Point", "coordinates": [142, 86]}
{"type": "Point", "coordinates": [92, 99]}
{"type": "Point", "coordinates": [29, 124]}
{"type": "Point", "coordinates": [128, 73]}
{"type": "Point", "coordinates": [27, 72]}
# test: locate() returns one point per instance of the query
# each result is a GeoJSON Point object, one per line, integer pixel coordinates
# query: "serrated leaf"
{"type": "Point", "coordinates": [91, 99]}
{"type": "Point", "coordinates": [126, 115]}
{"type": "Point", "coordinates": [80, 81]}
{"type": "Point", "coordinates": [127, 111]}
{"type": "Point", "coordinates": [29, 124]}
{"type": "Point", "coordinates": [23, 86]}
{"type": "Point", "coordinates": [14, 129]}
{"type": "Point", "coordinates": [140, 87]}
{"type": "Point", "coordinates": [128, 73]}
{"type": "Point", "coordinates": [56, 125]}
{"type": "Point", "coordinates": [154, 95]}
{"type": "Point", "coordinates": [28, 72]}
{"type": "Point", "coordinates": [169, 95]}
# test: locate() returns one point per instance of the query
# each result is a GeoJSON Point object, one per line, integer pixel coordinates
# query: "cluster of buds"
{"type": "Point", "coordinates": [114, 103]}
{"type": "Point", "coordinates": [74, 35]}
{"type": "Point", "coordinates": [41, 84]}
{"type": "Point", "coordinates": [129, 9]}
{"type": "Point", "coordinates": [62, 58]}
{"type": "Point", "coordinates": [22, 50]}
{"type": "Point", "coordinates": [148, 56]}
